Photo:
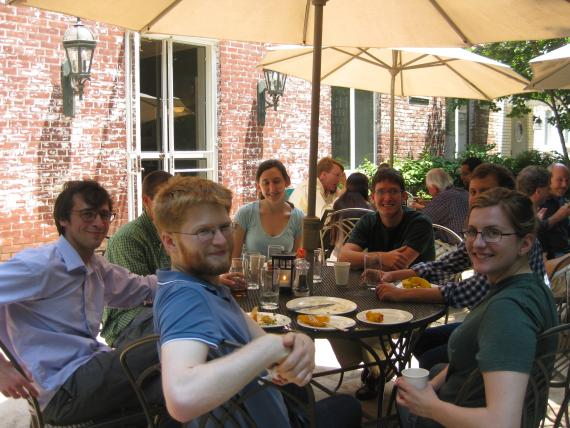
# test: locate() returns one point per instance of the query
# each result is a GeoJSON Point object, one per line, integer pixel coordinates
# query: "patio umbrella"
{"type": "Point", "coordinates": [444, 72]}
{"type": "Point", "coordinates": [551, 70]}
{"type": "Point", "coordinates": [427, 23]}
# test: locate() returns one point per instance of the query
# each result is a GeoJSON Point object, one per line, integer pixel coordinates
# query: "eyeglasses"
{"type": "Point", "coordinates": [90, 215]}
{"type": "Point", "coordinates": [391, 192]}
{"type": "Point", "coordinates": [207, 234]}
{"type": "Point", "coordinates": [488, 234]}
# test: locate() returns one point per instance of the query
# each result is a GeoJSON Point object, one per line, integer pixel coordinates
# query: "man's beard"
{"type": "Point", "coordinates": [195, 264]}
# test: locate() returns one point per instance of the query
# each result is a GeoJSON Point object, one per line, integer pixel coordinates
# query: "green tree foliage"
{"type": "Point", "coordinates": [518, 55]}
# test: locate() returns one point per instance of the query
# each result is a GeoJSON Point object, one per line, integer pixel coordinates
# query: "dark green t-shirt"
{"type": "Point", "coordinates": [415, 230]}
{"type": "Point", "coordinates": [499, 334]}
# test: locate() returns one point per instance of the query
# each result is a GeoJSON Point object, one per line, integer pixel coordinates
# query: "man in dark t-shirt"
{"type": "Point", "coordinates": [399, 235]}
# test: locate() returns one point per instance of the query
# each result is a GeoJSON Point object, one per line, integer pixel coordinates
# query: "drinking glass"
{"type": "Point", "coordinates": [269, 289]}
{"type": "Point", "coordinates": [318, 265]}
{"type": "Point", "coordinates": [274, 249]}
{"type": "Point", "coordinates": [372, 262]}
{"type": "Point", "coordinates": [256, 261]}
{"type": "Point", "coordinates": [239, 289]}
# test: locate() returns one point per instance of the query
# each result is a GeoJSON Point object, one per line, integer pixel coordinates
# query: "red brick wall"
{"type": "Point", "coordinates": [39, 147]}
{"type": "Point", "coordinates": [410, 127]}
{"type": "Point", "coordinates": [285, 136]}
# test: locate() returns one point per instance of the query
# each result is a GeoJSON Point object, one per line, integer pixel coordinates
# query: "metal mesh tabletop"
{"type": "Point", "coordinates": [365, 299]}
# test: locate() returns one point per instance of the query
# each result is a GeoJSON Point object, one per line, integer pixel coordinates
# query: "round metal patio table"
{"type": "Point", "coordinates": [395, 340]}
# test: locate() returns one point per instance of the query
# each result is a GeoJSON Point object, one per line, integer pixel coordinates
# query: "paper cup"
{"type": "Point", "coordinates": [417, 377]}
{"type": "Point", "coordinates": [341, 272]}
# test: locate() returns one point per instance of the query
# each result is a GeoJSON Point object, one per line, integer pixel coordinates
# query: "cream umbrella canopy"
{"type": "Point", "coordinates": [427, 23]}
{"type": "Point", "coordinates": [447, 72]}
{"type": "Point", "coordinates": [551, 70]}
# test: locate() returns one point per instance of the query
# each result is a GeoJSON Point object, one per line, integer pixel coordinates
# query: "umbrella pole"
{"type": "Point", "coordinates": [392, 112]}
{"type": "Point", "coordinates": [311, 223]}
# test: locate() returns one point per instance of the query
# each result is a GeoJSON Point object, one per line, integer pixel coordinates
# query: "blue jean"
{"type": "Point", "coordinates": [431, 348]}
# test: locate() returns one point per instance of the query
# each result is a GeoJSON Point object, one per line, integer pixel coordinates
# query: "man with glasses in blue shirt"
{"type": "Point", "coordinates": [210, 349]}
{"type": "Point", "coordinates": [51, 303]}
{"type": "Point", "coordinates": [396, 233]}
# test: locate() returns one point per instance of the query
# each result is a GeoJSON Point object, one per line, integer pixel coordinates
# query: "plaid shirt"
{"type": "Point", "coordinates": [449, 208]}
{"type": "Point", "coordinates": [137, 247]}
{"type": "Point", "coordinates": [470, 291]}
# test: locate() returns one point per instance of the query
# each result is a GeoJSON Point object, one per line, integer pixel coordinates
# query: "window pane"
{"type": "Point", "coordinates": [340, 107]}
{"type": "Point", "coordinates": [190, 164]}
{"type": "Point", "coordinates": [188, 64]}
{"type": "Point", "coordinates": [150, 165]}
{"type": "Point", "coordinates": [151, 95]}
{"type": "Point", "coordinates": [364, 126]}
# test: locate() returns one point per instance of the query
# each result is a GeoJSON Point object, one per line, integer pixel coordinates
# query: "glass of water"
{"type": "Point", "coordinates": [318, 265]}
{"type": "Point", "coordinates": [372, 264]}
{"type": "Point", "coordinates": [239, 289]}
{"type": "Point", "coordinates": [269, 288]}
{"type": "Point", "coordinates": [274, 249]}
{"type": "Point", "coordinates": [256, 261]}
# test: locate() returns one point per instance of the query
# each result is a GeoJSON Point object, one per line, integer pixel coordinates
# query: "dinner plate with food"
{"type": "Point", "coordinates": [321, 305]}
{"type": "Point", "coordinates": [269, 320]}
{"type": "Point", "coordinates": [325, 322]}
{"type": "Point", "coordinates": [384, 316]}
{"type": "Point", "coordinates": [414, 282]}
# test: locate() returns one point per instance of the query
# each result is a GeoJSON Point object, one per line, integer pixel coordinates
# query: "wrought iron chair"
{"type": "Point", "coordinates": [232, 413]}
{"type": "Point", "coordinates": [336, 227]}
{"type": "Point", "coordinates": [446, 240]}
{"type": "Point", "coordinates": [36, 417]}
{"type": "Point", "coordinates": [545, 369]}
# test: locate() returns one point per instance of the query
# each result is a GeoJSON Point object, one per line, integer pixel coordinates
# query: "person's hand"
{"type": "Point", "coordinates": [388, 292]}
{"type": "Point", "coordinates": [233, 279]}
{"type": "Point", "coordinates": [13, 384]}
{"type": "Point", "coordinates": [541, 213]}
{"type": "Point", "coordinates": [420, 402]}
{"type": "Point", "coordinates": [298, 366]}
{"type": "Point", "coordinates": [395, 259]}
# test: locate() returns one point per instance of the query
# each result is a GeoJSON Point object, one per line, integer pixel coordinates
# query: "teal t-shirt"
{"type": "Point", "coordinates": [257, 239]}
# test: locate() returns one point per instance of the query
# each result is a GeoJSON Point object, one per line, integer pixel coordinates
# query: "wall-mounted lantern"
{"type": "Point", "coordinates": [272, 87]}
{"type": "Point", "coordinates": [79, 45]}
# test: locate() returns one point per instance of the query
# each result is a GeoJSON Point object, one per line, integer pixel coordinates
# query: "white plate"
{"type": "Point", "coordinates": [280, 320]}
{"type": "Point", "coordinates": [340, 306]}
{"type": "Point", "coordinates": [335, 323]}
{"type": "Point", "coordinates": [391, 316]}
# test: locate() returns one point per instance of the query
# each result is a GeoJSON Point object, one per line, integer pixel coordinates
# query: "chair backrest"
{"type": "Point", "coordinates": [546, 367]}
{"type": "Point", "coordinates": [337, 226]}
{"type": "Point", "coordinates": [233, 413]}
{"type": "Point", "coordinates": [446, 240]}
{"type": "Point", "coordinates": [138, 379]}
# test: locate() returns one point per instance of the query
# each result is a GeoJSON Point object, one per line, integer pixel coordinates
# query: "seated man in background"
{"type": "Point", "coordinates": [137, 247]}
{"type": "Point", "coordinates": [432, 347]}
{"type": "Point", "coordinates": [196, 316]}
{"type": "Point", "coordinates": [467, 167]}
{"type": "Point", "coordinates": [449, 204]}
{"type": "Point", "coordinates": [396, 233]}
{"type": "Point", "coordinates": [534, 182]}
{"type": "Point", "coordinates": [554, 233]}
{"type": "Point", "coordinates": [330, 173]}
{"type": "Point", "coordinates": [51, 302]}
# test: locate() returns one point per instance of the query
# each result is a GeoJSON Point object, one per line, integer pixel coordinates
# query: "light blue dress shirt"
{"type": "Point", "coordinates": [51, 305]}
